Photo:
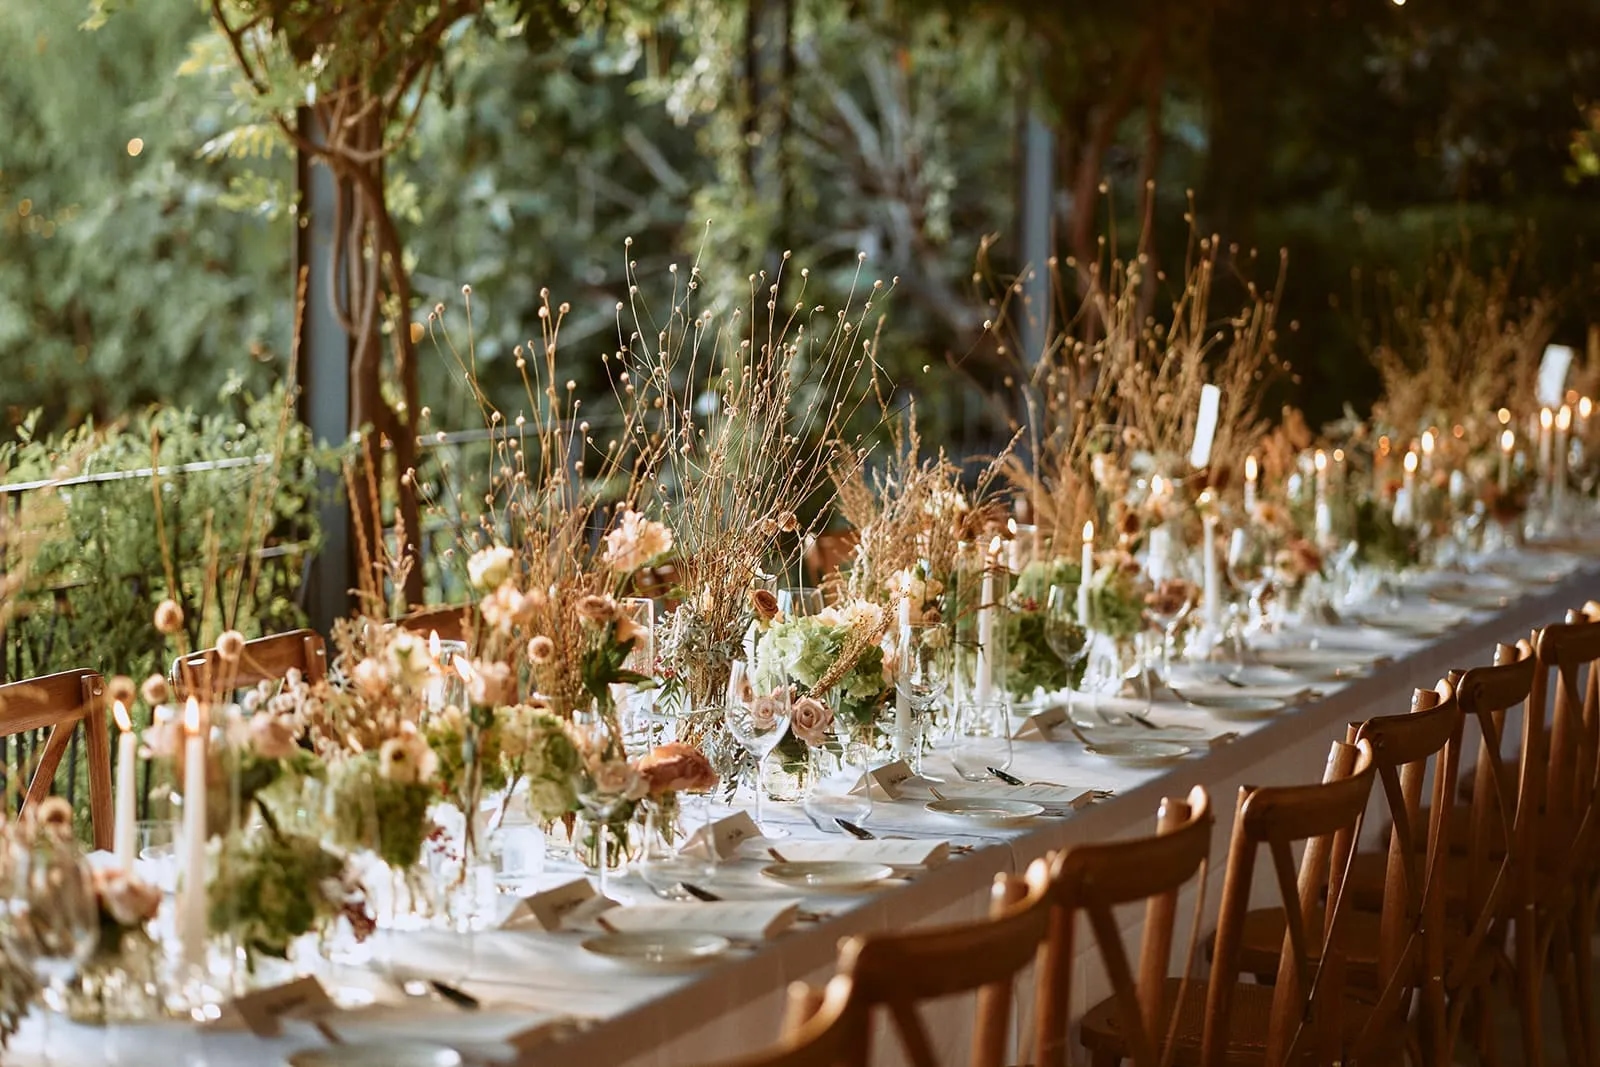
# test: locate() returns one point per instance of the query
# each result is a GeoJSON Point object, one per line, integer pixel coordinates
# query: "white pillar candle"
{"type": "Point", "coordinates": [1508, 442]}
{"type": "Point", "coordinates": [1155, 564]}
{"type": "Point", "coordinates": [122, 840]}
{"type": "Point", "coordinates": [902, 706]}
{"type": "Point", "coordinates": [192, 891]}
{"type": "Point", "coordinates": [1405, 500]}
{"type": "Point", "coordinates": [433, 690]}
{"type": "Point", "coordinates": [1252, 472]}
{"type": "Point", "coordinates": [1427, 452]}
{"type": "Point", "coordinates": [1558, 475]}
{"type": "Point", "coordinates": [1213, 577]}
{"type": "Point", "coordinates": [1324, 508]}
{"type": "Point", "coordinates": [988, 611]}
{"type": "Point", "coordinates": [1546, 422]}
{"type": "Point", "coordinates": [1087, 574]}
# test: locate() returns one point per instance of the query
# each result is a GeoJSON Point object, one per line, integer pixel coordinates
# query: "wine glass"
{"type": "Point", "coordinates": [1166, 605]}
{"type": "Point", "coordinates": [52, 915]}
{"type": "Point", "coordinates": [800, 601]}
{"type": "Point", "coordinates": [923, 663]}
{"type": "Point", "coordinates": [1066, 635]}
{"type": "Point", "coordinates": [982, 742]}
{"type": "Point", "coordinates": [1250, 568]}
{"type": "Point", "coordinates": [758, 724]}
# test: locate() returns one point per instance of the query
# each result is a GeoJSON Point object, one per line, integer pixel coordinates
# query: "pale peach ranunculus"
{"type": "Point", "coordinates": [130, 901]}
{"type": "Point", "coordinates": [635, 542]}
{"type": "Point", "coordinates": [596, 609]}
{"type": "Point", "coordinates": [812, 721]}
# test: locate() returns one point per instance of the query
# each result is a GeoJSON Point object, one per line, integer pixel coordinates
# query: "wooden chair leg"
{"type": "Point", "coordinates": [1566, 983]}
{"type": "Point", "coordinates": [1530, 972]}
{"type": "Point", "coordinates": [1583, 960]}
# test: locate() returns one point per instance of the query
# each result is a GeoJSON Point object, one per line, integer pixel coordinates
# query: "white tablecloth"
{"type": "Point", "coordinates": [734, 1005]}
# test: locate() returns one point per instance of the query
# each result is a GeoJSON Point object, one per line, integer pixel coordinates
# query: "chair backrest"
{"type": "Point", "coordinates": [898, 972]}
{"type": "Point", "coordinates": [1560, 764]}
{"type": "Point", "coordinates": [266, 659]}
{"type": "Point", "coordinates": [820, 1029]}
{"type": "Point", "coordinates": [1092, 880]}
{"type": "Point", "coordinates": [1405, 748]}
{"type": "Point", "coordinates": [1304, 1016]}
{"type": "Point", "coordinates": [1487, 696]}
{"type": "Point", "coordinates": [450, 623]}
{"type": "Point", "coordinates": [58, 703]}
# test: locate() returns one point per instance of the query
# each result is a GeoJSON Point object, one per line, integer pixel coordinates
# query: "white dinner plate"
{"type": "Point", "coordinates": [1481, 592]}
{"type": "Point", "coordinates": [1236, 707]}
{"type": "Point", "coordinates": [377, 1054]}
{"type": "Point", "coordinates": [1315, 664]}
{"type": "Point", "coordinates": [658, 950]}
{"type": "Point", "coordinates": [991, 811]}
{"type": "Point", "coordinates": [828, 874]}
{"type": "Point", "coordinates": [1138, 752]}
{"type": "Point", "coordinates": [1415, 620]}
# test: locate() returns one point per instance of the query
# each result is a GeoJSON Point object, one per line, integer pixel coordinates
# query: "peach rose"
{"type": "Point", "coordinates": [812, 719]}
{"type": "Point", "coordinates": [677, 767]}
{"type": "Point", "coordinates": [130, 901]}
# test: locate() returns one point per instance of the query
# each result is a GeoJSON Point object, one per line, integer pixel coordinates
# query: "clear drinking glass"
{"type": "Point", "coordinates": [1065, 635]}
{"type": "Point", "coordinates": [52, 919]}
{"type": "Point", "coordinates": [637, 702]}
{"type": "Point", "coordinates": [797, 602]}
{"type": "Point", "coordinates": [837, 790]}
{"type": "Point", "coordinates": [982, 743]}
{"type": "Point", "coordinates": [600, 805]}
{"type": "Point", "coordinates": [924, 662]}
{"type": "Point", "coordinates": [758, 724]}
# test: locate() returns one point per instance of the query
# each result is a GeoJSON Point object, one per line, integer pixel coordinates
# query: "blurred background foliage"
{"type": "Point", "coordinates": [146, 240]}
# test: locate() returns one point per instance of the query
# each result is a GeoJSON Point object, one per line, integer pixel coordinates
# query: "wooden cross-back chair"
{"type": "Point", "coordinates": [1480, 908]}
{"type": "Point", "coordinates": [1298, 1018]}
{"type": "Point", "coordinates": [1555, 836]}
{"type": "Point", "coordinates": [1398, 949]}
{"type": "Point", "coordinates": [266, 659]}
{"type": "Point", "coordinates": [1091, 881]}
{"type": "Point", "coordinates": [894, 974]}
{"type": "Point", "coordinates": [450, 623]}
{"type": "Point", "coordinates": [820, 1029]}
{"type": "Point", "coordinates": [58, 703]}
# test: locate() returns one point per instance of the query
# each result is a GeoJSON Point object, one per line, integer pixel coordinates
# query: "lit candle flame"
{"type": "Point", "coordinates": [1411, 462]}
{"type": "Point", "coordinates": [433, 644]}
{"type": "Point", "coordinates": [119, 711]}
{"type": "Point", "coordinates": [1546, 418]}
{"type": "Point", "coordinates": [1504, 415]}
{"type": "Point", "coordinates": [1427, 442]}
{"type": "Point", "coordinates": [1088, 533]}
{"type": "Point", "coordinates": [1321, 460]}
{"type": "Point", "coordinates": [1564, 420]}
{"type": "Point", "coordinates": [463, 668]}
{"type": "Point", "coordinates": [1011, 527]}
{"type": "Point", "coordinates": [1585, 407]}
{"type": "Point", "coordinates": [191, 716]}
{"type": "Point", "coordinates": [1251, 468]}
{"type": "Point", "coordinates": [1508, 441]}
{"type": "Point", "coordinates": [1338, 455]}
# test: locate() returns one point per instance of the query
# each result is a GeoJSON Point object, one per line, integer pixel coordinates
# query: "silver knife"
{"type": "Point", "coordinates": [856, 831]}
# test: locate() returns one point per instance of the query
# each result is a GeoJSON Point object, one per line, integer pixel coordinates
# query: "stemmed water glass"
{"type": "Point", "coordinates": [597, 792]}
{"type": "Point", "coordinates": [1250, 568]}
{"type": "Point", "coordinates": [758, 722]}
{"type": "Point", "coordinates": [52, 918]}
{"type": "Point", "coordinates": [1065, 633]}
{"type": "Point", "coordinates": [924, 660]}
{"type": "Point", "coordinates": [799, 602]}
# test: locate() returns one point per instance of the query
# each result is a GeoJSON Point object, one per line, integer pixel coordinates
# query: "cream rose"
{"type": "Point", "coordinates": [635, 542]}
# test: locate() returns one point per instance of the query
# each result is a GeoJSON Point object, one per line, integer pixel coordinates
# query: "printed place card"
{"type": "Point", "coordinates": [568, 904]}
{"type": "Point", "coordinates": [892, 851]}
{"type": "Point", "coordinates": [724, 836]}
{"type": "Point", "coordinates": [263, 1010]}
{"type": "Point", "coordinates": [1042, 724]}
{"type": "Point", "coordinates": [749, 919]}
{"type": "Point", "coordinates": [889, 779]}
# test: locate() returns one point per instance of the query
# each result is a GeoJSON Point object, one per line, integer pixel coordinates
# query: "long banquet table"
{"type": "Point", "coordinates": [734, 1005]}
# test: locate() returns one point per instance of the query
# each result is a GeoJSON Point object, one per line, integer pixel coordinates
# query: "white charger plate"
{"type": "Point", "coordinates": [827, 874]}
{"type": "Point", "coordinates": [658, 950]}
{"type": "Point", "coordinates": [377, 1054]}
{"type": "Point", "coordinates": [1419, 620]}
{"type": "Point", "coordinates": [991, 811]}
{"type": "Point", "coordinates": [1140, 752]}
